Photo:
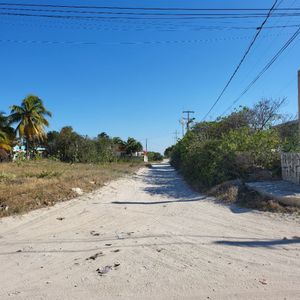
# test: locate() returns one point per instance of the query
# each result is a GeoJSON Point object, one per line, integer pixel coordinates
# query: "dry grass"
{"type": "Point", "coordinates": [34, 184]}
{"type": "Point", "coordinates": [236, 192]}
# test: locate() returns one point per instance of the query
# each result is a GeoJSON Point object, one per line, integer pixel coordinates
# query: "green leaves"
{"type": "Point", "coordinates": [229, 148]}
{"type": "Point", "coordinates": [31, 118]}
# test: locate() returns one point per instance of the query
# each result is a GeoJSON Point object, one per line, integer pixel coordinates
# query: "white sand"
{"type": "Point", "coordinates": [172, 242]}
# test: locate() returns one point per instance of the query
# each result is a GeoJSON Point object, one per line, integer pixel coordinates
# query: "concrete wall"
{"type": "Point", "coordinates": [290, 164]}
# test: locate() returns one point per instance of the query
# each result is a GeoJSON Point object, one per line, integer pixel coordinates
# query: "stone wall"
{"type": "Point", "coordinates": [290, 164]}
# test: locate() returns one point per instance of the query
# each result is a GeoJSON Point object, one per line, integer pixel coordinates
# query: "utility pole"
{"type": "Point", "coordinates": [299, 101]}
{"type": "Point", "coordinates": [182, 122]}
{"type": "Point", "coordinates": [188, 118]}
{"type": "Point", "coordinates": [176, 136]}
{"type": "Point", "coordinates": [146, 152]}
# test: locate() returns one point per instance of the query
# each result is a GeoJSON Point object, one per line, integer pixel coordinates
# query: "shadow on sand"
{"type": "Point", "coordinates": [163, 180]}
{"type": "Point", "coordinates": [259, 243]}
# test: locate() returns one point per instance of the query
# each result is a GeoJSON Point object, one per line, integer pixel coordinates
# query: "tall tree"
{"type": "Point", "coordinates": [31, 118]}
{"type": "Point", "coordinates": [6, 133]}
{"type": "Point", "coordinates": [133, 146]}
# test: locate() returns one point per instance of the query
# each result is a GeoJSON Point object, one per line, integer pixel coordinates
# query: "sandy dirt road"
{"type": "Point", "coordinates": [149, 237]}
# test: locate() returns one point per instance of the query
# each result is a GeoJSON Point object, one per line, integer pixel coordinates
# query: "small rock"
{"type": "Point", "coordinates": [78, 191]}
{"type": "Point", "coordinates": [60, 218]}
{"type": "Point", "coordinates": [116, 264]}
{"type": "Point", "coordinates": [117, 250]}
{"type": "Point", "coordinates": [19, 250]}
{"type": "Point", "coordinates": [108, 245]}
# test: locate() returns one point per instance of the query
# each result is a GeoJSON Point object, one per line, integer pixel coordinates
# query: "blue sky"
{"type": "Point", "coordinates": [124, 85]}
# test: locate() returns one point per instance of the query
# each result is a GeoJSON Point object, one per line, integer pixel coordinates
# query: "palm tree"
{"type": "Point", "coordinates": [6, 133]}
{"type": "Point", "coordinates": [31, 119]}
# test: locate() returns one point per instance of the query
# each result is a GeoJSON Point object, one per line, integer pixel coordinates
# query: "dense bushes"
{"type": "Point", "coordinates": [154, 156]}
{"type": "Point", "coordinates": [229, 148]}
{"type": "Point", "coordinates": [69, 146]}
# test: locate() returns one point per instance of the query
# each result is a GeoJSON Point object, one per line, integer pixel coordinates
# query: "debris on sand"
{"type": "Point", "coordinates": [160, 249]}
{"type": "Point", "coordinates": [60, 218]}
{"type": "Point", "coordinates": [93, 257]}
{"type": "Point", "coordinates": [263, 281]}
{"type": "Point", "coordinates": [94, 233]}
{"type": "Point", "coordinates": [104, 270]}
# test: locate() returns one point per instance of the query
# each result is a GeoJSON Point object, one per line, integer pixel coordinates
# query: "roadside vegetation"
{"type": "Point", "coordinates": [32, 184]}
{"type": "Point", "coordinates": [154, 156]}
{"type": "Point", "coordinates": [244, 145]}
{"type": "Point", "coordinates": [39, 168]}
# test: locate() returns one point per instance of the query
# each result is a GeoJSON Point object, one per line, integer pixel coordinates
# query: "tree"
{"type": "Point", "coordinates": [104, 147]}
{"type": "Point", "coordinates": [168, 151]}
{"type": "Point", "coordinates": [132, 146]}
{"type": "Point", "coordinates": [264, 114]}
{"type": "Point", "coordinates": [64, 144]}
{"type": "Point", "coordinates": [119, 144]}
{"type": "Point", "coordinates": [4, 143]}
{"type": "Point", "coordinates": [154, 156]}
{"type": "Point", "coordinates": [7, 135]}
{"type": "Point", "coordinates": [31, 118]}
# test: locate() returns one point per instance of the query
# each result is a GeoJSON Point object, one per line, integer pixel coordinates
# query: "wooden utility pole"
{"type": "Point", "coordinates": [176, 136]}
{"type": "Point", "coordinates": [299, 101]}
{"type": "Point", "coordinates": [146, 152]}
{"type": "Point", "coordinates": [182, 123]}
{"type": "Point", "coordinates": [189, 119]}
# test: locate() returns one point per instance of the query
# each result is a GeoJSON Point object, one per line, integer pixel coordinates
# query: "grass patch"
{"type": "Point", "coordinates": [4, 177]}
{"type": "Point", "coordinates": [235, 192]}
{"type": "Point", "coordinates": [34, 184]}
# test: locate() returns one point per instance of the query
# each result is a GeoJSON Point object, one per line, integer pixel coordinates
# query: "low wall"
{"type": "Point", "coordinates": [290, 164]}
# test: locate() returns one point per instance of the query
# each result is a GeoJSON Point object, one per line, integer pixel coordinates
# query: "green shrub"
{"type": "Point", "coordinates": [154, 156]}
{"type": "Point", "coordinates": [212, 158]}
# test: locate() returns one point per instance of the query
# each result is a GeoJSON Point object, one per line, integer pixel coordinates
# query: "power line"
{"type": "Point", "coordinates": [138, 8]}
{"type": "Point", "coordinates": [86, 26]}
{"type": "Point", "coordinates": [147, 16]}
{"type": "Point", "coordinates": [242, 60]}
{"type": "Point", "coordinates": [256, 14]}
{"type": "Point", "coordinates": [266, 67]}
{"type": "Point", "coordinates": [124, 43]}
